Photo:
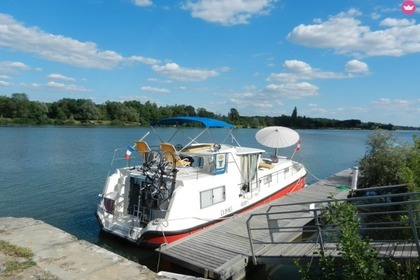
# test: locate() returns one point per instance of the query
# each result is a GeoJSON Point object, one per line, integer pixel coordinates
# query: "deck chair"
{"type": "Point", "coordinates": [167, 147]}
{"type": "Point", "coordinates": [143, 148]}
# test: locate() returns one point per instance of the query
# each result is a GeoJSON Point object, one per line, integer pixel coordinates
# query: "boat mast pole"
{"type": "Point", "coordinates": [145, 136]}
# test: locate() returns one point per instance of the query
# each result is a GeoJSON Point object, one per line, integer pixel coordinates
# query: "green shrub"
{"type": "Point", "coordinates": [390, 162]}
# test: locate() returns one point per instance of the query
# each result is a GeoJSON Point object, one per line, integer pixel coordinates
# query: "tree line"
{"type": "Point", "coordinates": [18, 109]}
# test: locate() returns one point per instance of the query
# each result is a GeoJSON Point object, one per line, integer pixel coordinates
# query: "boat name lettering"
{"type": "Point", "coordinates": [226, 211]}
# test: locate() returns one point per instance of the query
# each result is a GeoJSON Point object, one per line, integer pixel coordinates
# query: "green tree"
{"type": "Point", "coordinates": [20, 105]}
{"type": "Point", "coordinates": [411, 172]}
{"type": "Point", "coordinates": [233, 115]}
{"type": "Point", "coordinates": [294, 113]}
{"type": "Point", "coordinates": [87, 111]}
{"type": "Point", "coordinates": [190, 111]}
{"type": "Point", "coordinates": [65, 107]}
{"type": "Point", "coordinates": [167, 112]}
{"type": "Point", "coordinates": [39, 112]}
{"type": "Point", "coordinates": [133, 115]}
{"type": "Point", "coordinates": [202, 112]}
{"type": "Point", "coordinates": [61, 115]}
{"type": "Point", "coordinates": [254, 123]}
{"type": "Point", "coordinates": [153, 111]}
{"type": "Point", "coordinates": [5, 107]}
{"type": "Point", "coordinates": [384, 160]}
{"type": "Point", "coordinates": [116, 111]}
{"type": "Point", "coordinates": [358, 259]}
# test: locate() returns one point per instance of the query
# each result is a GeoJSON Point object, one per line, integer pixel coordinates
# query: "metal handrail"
{"type": "Point", "coordinates": [287, 222]}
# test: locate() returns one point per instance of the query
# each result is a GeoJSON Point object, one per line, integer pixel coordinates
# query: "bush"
{"type": "Point", "coordinates": [389, 162]}
{"type": "Point", "coordinates": [358, 259]}
{"type": "Point", "coordinates": [411, 172]}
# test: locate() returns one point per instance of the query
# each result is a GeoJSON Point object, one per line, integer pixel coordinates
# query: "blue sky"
{"type": "Point", "coordinates": [356, 59]}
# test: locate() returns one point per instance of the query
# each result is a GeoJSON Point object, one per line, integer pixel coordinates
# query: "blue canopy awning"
{"type": "Point", "coordinates": [207, 122]}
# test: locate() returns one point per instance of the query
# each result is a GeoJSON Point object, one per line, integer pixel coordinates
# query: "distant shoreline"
{"type": "Point", "coordinates": [19, 110]}
{"type": "Point", "coordinates": [7, 122]}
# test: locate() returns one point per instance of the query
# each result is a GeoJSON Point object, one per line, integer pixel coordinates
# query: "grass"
{"type": "Point", "coordinates": [16, 251]}
{"type": "Point", "coordinates": [15, 266]}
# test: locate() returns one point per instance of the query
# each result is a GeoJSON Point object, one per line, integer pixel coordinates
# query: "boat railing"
{"type": "Point", "coordinates": [145, 214]}
{"type": "Point", "coordinates": [120, 159]}
{"type": "Point", "coordinates": [284, 173]}
{"type": "Point", "coordinates": [207, 168]}
{"type": "Point", "coordinates": [273, 177]}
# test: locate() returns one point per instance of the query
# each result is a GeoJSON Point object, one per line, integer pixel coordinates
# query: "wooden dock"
{"type": "Point", "coordinates": [223, 250]}
{"type": "Point", "coordinates": [288, 253]}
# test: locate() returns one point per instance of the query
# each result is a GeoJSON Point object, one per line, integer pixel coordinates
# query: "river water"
{"type": "Point", "coordinates": [55, 174]}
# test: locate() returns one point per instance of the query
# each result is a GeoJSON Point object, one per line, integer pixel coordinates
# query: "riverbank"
{"type": "Point", "coordinates": [60, 255]}
{"type": "Point", "coordinates": [10, 122]}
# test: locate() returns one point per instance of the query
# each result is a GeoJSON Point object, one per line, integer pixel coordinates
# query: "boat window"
{"type": "Point", "coordinates": [204, 163]}
{"type": "Point", "coordinates": [213, 196]}
{"type": "Point", "coordinates": [197, 162]}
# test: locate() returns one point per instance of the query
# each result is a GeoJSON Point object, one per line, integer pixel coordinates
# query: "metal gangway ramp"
{"type": "Point", "coordinates": [391, 222]}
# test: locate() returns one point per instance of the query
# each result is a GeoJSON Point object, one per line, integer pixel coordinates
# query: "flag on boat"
{"type": "Point", "coordinates": [128, 152]}
{"type": "Point", "coordinates": [297, 148]}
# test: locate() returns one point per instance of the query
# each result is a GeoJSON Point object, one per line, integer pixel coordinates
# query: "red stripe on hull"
{"type": "Point", "coordinates": [156, 239]}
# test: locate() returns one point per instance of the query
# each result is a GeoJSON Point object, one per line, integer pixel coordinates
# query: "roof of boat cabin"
{"type": "Point", "coordinates": [207, 122]}
{"type": "Point", "coordinates": [246, 150]}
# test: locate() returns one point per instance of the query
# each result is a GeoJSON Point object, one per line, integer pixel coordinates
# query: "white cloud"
{"type": "Point", "coordinates": [391, 102]}
{"type": "Point", "coordinates": [375, 15]}
{"type": "Point", "coordinates": [397, 22]}
{"type": "Point", "coordinates": [67, 87]}
{"type": "Point", "coordinates": [34, 85]}
{"type": "Point", "coordinates": [144, 60]}
{"type": "Point", "coordinates": [271, 98]}
{"type": "Point", "coordinates": [159, 81]}
{"type": "Point", "coordinates": [176, 72]}
{"type": "Point", "coordinates": [4, 83]}
{"type": "Point", "coordinates": [241, 103]}
{"type": "Point", "coordinates": [346, 35]}
{"type": "Point", "coordinates": [257, 100]}
{"type": "Point", "coordinates": [395, 111]}
{"type": "Point", "coordinates": [143, 3]}
{"type": "Point", "coordinates": [355, 65]}
{"type": "Point", "coordinates": [13, 66]}
{"type": "Point", "coordinates": [230, 12]}
{"type": "Point", "coordinates": [295, 70]}
{"type": "Point", "coordinates": [56, 76]}
{"type": "Point", "coordinates": [154, 89]}
{"type": "Point", "coordinates": [297, 66]}
{"type": "Point", "coordinates": [292, 90]}
{"type": "Point", "coordinates": [14, 35]}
